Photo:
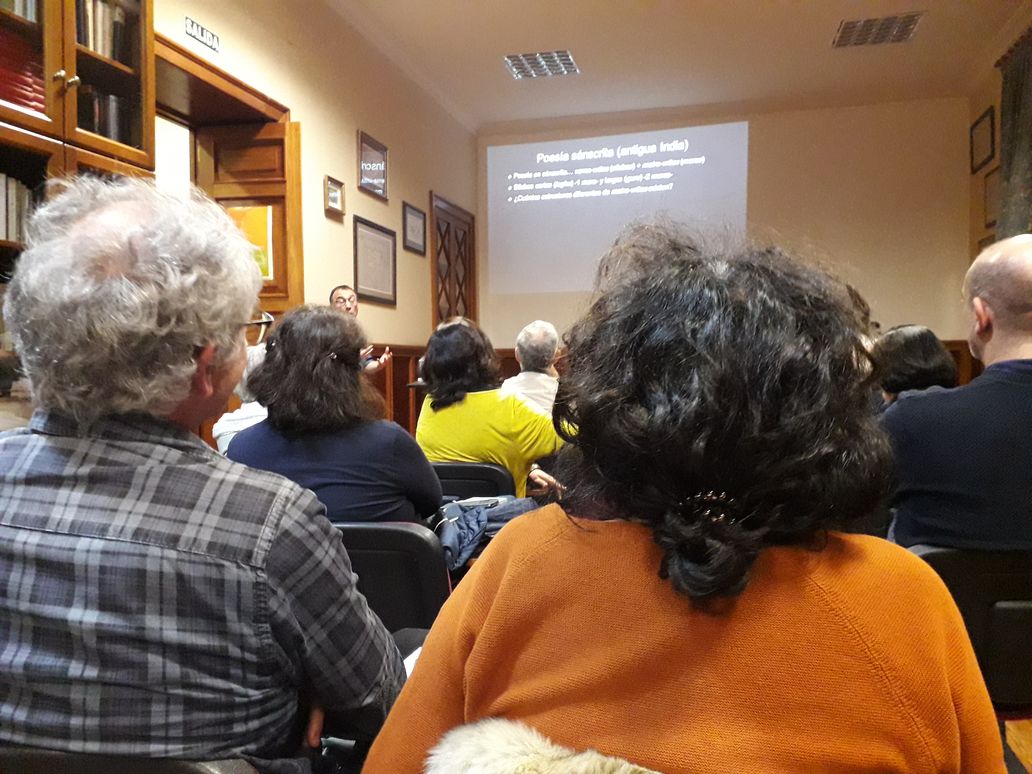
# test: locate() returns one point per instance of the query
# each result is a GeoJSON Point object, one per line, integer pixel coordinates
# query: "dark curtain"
{"type": "Point", "coordinates": [1016, 141]}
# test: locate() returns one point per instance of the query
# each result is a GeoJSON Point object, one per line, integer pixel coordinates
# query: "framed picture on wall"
{"type": "Point", "coordinates": [991, 197]}
{"type": "Point", "coordinates": [983, 139]}
{"type": "Point", "coordinates": [333, 196]}
{"type": "Point", "coordinates": [413, 226]}
{"type": "Point", "coordinates": [372, 166]}
{"type": "Point", "coordinates": [376, 264]}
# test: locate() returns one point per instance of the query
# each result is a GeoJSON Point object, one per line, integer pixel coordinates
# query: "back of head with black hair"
{"type": "Point", "coordinates": [459, 359]}
{"type": "Point", "coordinates": [311, 379]}
{"type": "Point", "coordinates": [911, 357]}
{"type": "Point", "coordinates": [721, 398]}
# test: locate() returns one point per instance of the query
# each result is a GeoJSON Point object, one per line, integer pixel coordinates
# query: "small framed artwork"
{"type": "Point", "coordinates": [991, 197]}
{"type": "Point", "coordinates": [376, 264]}
{"type": "Point", "coordinates": [983, 139]}
{"type": "Point", "coordinates": [372, 166]}
{"type": "Point", "coordinates": [333, 196]}
{"type": "Point", "coordinates": [256, 223]}
{"type": "Point", "coordinates": [413, 224]}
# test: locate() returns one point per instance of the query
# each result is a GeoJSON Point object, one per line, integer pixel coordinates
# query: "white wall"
{"type": "Point", "coordinates": [307, 57]}
{"type": "Point", "coordinates": [878, 193]}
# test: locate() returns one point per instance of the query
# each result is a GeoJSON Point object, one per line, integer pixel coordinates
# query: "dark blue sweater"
{"type": "Point", "coordinates": [372, 472]}
{"type": "Point", "coordinates": [964, 462]}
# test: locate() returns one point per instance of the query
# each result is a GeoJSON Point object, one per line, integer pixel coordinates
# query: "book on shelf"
{"type": "Point", "coordinates": [102, 26]}
{"type": "Point", "coordinates": [21, 72]}
{"type": "Point", "coordinates": [105, 114]}
{"type": "Point", "coordinates": [3, 205]}
{"type": "Point", "coordinates": [15, 208]}
{"type": "Point", "coordinates": [27, 9]}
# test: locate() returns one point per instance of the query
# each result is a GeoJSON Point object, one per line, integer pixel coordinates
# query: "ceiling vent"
{"type": "Point", "coordinates": [541, 65]}
{"type": "Point", "coordinates": [872, 32]}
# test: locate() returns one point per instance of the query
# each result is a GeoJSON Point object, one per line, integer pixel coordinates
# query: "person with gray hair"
{"type": "Point", "coordinates": [963, 454]}
{"type": "Point", "coordinates": [157, 599]}
{"type": "Point", "coordinates": [537, 346]}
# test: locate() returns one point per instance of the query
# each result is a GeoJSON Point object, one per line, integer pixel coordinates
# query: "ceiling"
{"type": "Point", "coordinates": [654, 54]}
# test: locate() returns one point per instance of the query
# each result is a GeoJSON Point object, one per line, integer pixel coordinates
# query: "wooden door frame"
{"type": "Point", "coordinates": [436, 200]}
{"type": "Point", "coordinates": [172, 53]}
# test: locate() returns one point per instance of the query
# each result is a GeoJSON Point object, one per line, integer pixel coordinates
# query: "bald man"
{"type": "Point", "coordinates": [964, 455]}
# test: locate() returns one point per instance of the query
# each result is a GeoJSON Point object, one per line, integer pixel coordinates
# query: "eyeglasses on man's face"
{"type": "Point", "coordinates": [261, 322]}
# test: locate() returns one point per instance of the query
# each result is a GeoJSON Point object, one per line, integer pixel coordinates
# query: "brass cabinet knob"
{"type": "Point", "coordinates": [74, 81]}
{"type": "Point", "coordinates": [60, 75]}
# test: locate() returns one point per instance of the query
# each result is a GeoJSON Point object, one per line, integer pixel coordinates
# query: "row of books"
{"type": "Point", "coordinates": [27, 9]}
{"type": "Point", "coordinates": [105, 114]}
{"type": "Point", "coordinates": [15, 205]}
{"type": "Point", "coordinates": [101, 25]}
{"type": "Point", "coordinates": [21, 72]}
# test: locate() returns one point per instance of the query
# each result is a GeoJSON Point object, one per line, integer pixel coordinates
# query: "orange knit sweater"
{"type": "Point", "coordinates": [852, 658]}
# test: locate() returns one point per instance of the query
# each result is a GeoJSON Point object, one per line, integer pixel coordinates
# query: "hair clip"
{"type": "Point", "coordinates": [718, 507]}
{"type": "Point", "coordinates": [332, 356]}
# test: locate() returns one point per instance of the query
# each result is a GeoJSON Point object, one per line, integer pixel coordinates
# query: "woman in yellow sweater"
{"type": "Point", "coordinates": [465, 418]}
{"type": "Point", "coordinates": [691, 608]}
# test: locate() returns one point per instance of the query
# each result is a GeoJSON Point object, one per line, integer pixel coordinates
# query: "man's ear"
{"type": "Point", "coordinates": [984, 316]}
{"type": "Point", "coordinates": [202, 384]}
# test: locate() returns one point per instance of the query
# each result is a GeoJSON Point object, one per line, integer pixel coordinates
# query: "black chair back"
{"type": "Point", "coordinates": [401, 571]}
{"type": "Point", "coordinates": [993, 590]}
{"type": "Point", "coordinates": [26, 760]}
{"type": "Point", "coordinates": [473, 479]}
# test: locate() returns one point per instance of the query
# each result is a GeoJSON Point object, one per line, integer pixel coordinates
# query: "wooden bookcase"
{"type": "Point", "coordinates": [76, 93]}
{"type": "Point", "coordinates": [82, 71]}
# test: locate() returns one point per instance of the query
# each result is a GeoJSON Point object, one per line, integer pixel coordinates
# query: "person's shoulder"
{"type": "Point", "coordinates": [250, 440]}
{"type": "Point", "coordinates": [881, 582]}
{"type": "Point", "coordinates": [386, 431]}
{"type": "Point", "coordinates": [913, 405]}
{"type": "Point", "coordinates": [531, 533]}
{"type": "Point", "coordinates": [261, 491]}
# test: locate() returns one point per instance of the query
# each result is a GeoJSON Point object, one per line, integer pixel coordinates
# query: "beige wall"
{"type": "Point", "coordinates": [880, 193]}
{"type": "Point", "coordinates": [307, 57]}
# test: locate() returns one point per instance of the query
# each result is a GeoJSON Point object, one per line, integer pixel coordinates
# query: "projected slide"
{"type": "Point", "coordinates": [554, 207]}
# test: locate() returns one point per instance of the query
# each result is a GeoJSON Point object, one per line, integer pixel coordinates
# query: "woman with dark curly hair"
{"type": "Point", "coordinates": [911, 357]}
{"type": "Point", "coordinates": [691, 606]}
{"type": "Point", "coordinates": [465, 418]}
{"type": "Point", "coordinates": [322, 430]}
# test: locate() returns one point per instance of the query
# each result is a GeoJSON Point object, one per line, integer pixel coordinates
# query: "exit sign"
{"type": "Point", "coordinates": [202, 34]}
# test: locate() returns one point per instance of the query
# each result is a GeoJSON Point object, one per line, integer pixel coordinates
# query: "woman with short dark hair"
{"type": "Point", "coordinates": [911, 357]}
{"type": "Point", "coordinates": [690, 606]}
{"type": "Point", "coordinates": [465, 418]}
{"type": "Point", "coordinates": [323, 429]}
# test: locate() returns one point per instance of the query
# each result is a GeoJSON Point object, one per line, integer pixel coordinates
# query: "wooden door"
{"type": "Point", "coordinates": [255, 169]}
{"type": "Point", "coordinates": [453, 266]}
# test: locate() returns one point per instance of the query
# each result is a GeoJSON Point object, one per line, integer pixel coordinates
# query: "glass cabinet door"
{"type": "Point", "coordinates": [31, 75]}
{"type": "Point", "coordinates": [110, 99]}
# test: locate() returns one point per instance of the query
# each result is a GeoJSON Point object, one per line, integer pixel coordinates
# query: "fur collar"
{"type": "Point", "coordinates": [497, 746]}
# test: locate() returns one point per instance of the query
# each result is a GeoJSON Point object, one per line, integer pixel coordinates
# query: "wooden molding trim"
{"type": "Point", "coordinates": [196, 67]}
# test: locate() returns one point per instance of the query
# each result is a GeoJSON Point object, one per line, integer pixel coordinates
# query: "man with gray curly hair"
{"type": "Point", "coordinates": [537, 346]}
{"type": "Point", "coordinates": [157, 599]}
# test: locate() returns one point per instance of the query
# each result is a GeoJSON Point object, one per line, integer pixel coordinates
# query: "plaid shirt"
{"type": "Point", "coordinates": [158, 600]}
